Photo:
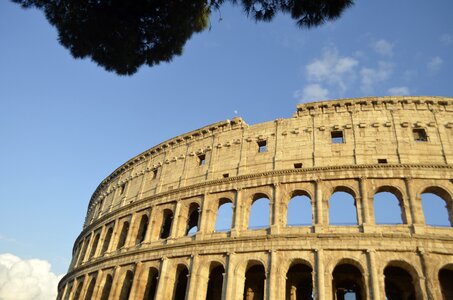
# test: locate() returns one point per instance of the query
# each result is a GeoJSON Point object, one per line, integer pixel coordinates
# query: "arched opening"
{"type": "Point", "coordinates": [224, 216]}
{"type": "Point", "coordinates": [348, 283]}
{"type": "Point", "coordinates": [166, 224]}
{"type": "Point", "coordinates": [68, 291]}
{"type": "Point", "coordinates": [127, 285]}
{"type": "Point", "coordinates": [123, 235]}
{"type": "Point", "coordinates": [436, 204]}
{"type": "Point", "coordinates": [342, 209]}
{"type": "Point", "coordinates": [108, 237]}
{"type": "Point", "coordinates": [299, 282]}
{"type": "Point", "coordinates": [107, 287]}
{"type": "Point", "coordinates": [192, 221]}
{"type": "Point", "coordinates": [181, 283]}
{"type": "Point", "coordinates": [215, 283]}
{"type": "Point", "coordinates": [90, 290]}
{"type": "Point", "coordinates": [151, 284]}
{"type": "Point", "coordinates": [299, 210]}
{"type": "Point", "coordinates": [446, 280]}
{"type": "Point", "coordinates": [259, 212]}
{"type": "Point", "coordinates": [387, 208]}
{"type": "Point", "coordinates": [78, 290]}
{"type": "Point", "coordinates": [254, 282]}
{"type": "Point", "coordinates": [95, 245]}
{"type": "Point", "coordinates": [143, 227]}
{"type": "Point", "coordinates": [84, 249]}
{"type": "Point", "coordinates": [398, 284]}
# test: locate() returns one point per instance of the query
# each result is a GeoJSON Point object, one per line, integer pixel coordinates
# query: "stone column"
{"type": "Point", "coordinates": [176, 221]}
{"type": "Point", "coordinates": [97, 293]}
{"type": "Point", "coordinates": [205, 219]}
{"type": "Point", "coordinates": [320, 276]}
{"type": "Point", "coordinates": [425, 280]}
{"type": "Point", "coordinates": [163, 278]}
{"type": "Point", "coordinates": [414, 202]}
{"type": "Point", "coordinates": [275, 217]}
{"type": "Point", "coordinates": [137, 289]}
{"type": "Point", "coordinates": [374, 279]}
{"type": "Point", "coordinates": [320, 220]}
{"type": "Point", "coordinates": [366, 210]}
{"type": "Point", "coordinates": [272, 278]}
{"type": "Point", "coordinates": [236, 227]}
{"type": "Point", "coordinates": [229, 290]}
{"type": "Point", "coordinates": [194, 285]}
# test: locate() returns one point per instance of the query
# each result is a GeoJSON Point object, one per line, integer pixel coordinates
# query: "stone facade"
{"type": "Point", "coordinates": [136, 241]}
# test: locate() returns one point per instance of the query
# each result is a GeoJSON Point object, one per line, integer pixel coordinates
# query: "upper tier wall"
{"type": "Point", "coordinates": [372, 129]}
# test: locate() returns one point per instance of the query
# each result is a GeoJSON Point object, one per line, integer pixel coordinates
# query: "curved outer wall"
{"type": "Point", "coordinates": [221, 163]}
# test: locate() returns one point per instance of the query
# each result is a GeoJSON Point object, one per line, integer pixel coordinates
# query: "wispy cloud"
{"type": "Point", "coordinates": [399, 91]}
{"type": "Point", "coordinates": [383, 47]}
{"type": "Point", "coordinates": [372, 76]}
{"type": "Point", "coordinates": [435, 64]}
{"type": "Point", "coordinates": [446, 39]}
{"type": "Point", "coordinates": [311, 92]}
{"type": "Point", "coordinates": [26, 279]}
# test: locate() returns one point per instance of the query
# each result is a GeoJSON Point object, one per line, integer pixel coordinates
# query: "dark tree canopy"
{"type": "Point", "coordinates": [123, 35]}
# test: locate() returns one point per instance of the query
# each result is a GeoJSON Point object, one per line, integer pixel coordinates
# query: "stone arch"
{"type": "Point", "coordinates": [347, 212]}
{"type": "Point", "coordinates": [299, 280]}
{"type": "Point", "coordinates": [397, 214]}
{"type": "Point", "coordinates": [90, 289]}
{"type": "Point", "coordinates": [78, 291]}
{"type": "Point", "coordinates": [193, 219]}
{"type": "Point", "coordinates": [348, 279]}
{"type": "Point", "coordinates": [107, 238]}
{"type": "Point", "coordinates": [401, 281]}
{"type": "Point", "coordinates": [254, 281]}
{"type": "Point", "coordinates": [94, 246]}
{"type": "Point", "coordinates": [259, 211]}
{"type": "Point", "coordinates": [105, 294]}
{"type": "Point", "coordinates": [142, 229]}
{"type": "Point", "coordinates": [123, 235]}
{"type": "Point", "coordinates": [166, 224]}
{"type": "Point", "coordinates": [150, 287]}
{"type": "Point", "coordinates": [445, 276]}
{"type": "Point", "coordinates": [215, 281]}
{"type": "Point", "coordinates": [440, 216]}
{"type": "Point", "coordinates": [299, 210]}
{"type": "Point", "coordinates": [181, 282]}
{"type": "Point", "coordinates": [126, 285]}
{"type": "Point", "coordinates": [224, 215]}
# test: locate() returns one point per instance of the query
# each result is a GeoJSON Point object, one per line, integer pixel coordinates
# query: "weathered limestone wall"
{"type": "Point", "coordinates": [222, 163]}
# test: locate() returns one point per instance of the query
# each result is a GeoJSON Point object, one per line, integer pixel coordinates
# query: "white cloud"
{"type": "Point", "coordinates": [332, 69]}
{"type": "Point", "coordinates": [399, 91]}
{"type": "Point", "coordinates": [446, 39]}
{"type": "Point", "coordinates": [383, 47]}
{"type": "Point", "coordinates": [312, 92]}
{"type": "Point", "coordinates": [26, 279]}
{"type": "Point", "coordinates": [371, 77]}
{"type": "Point", "coordinates": [435, 64]}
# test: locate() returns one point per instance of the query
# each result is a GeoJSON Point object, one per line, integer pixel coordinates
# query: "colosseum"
{"type": "Point", "coordinates": [297, 208]}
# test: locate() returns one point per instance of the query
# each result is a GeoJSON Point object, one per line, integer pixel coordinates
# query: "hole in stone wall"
{"type": "Point", "coordinates": [446, 279]}
{"type": "Point", "coordinates": [299, 282]}
{"type": "Point", "coordinates": [127, 285]}
{"type": "Point", "coordinates": [348, 283]}
{"type": "Point", "coordinates": [215, 283]}
{"type": "Point", "coordinates": [299, 211]}
{"type": "Point", "coordinates": [192, 221]}
{"type": "Point", "coordinates": [382, 160]}
{"type": "Point", "coordinates": [387, 208]}
{"type": "Point", "coordinates": [123, 235]}
{"type": "Point", "coordinates": [259, 214]}
{"type": "Point", "coordinates": [254, 283]}
{"type": "Point", "coordinates": [90, 289]}
{"type": "Point", "coordinates": [297, 165]}
{"type": "Point", "coordinates": [342, 209]}
{"type": "Point", "coordinates": [107, 287]}
{"type": "Point", "coordinates": [143, 227]}
{"type": "Point", "coordinates": [262, 146]}
{"type": "Point", "coordinates": [226, 175]}
{"type": "Point", "coordinates": [337, 137]}
{"type": "Point", "coordinates": [420, 135]}
{"type": "Point", "coordinates": [398, 284]}
{"type": "Point", "coordinates": [180, 283]}
{"type": "Point", "coordinates": [435, 209]}
{"type": "Point", "coordinates": [95, 245]}
{"type": "Point", "coordinates": [224, 215]}
{"type": "Point", "coordinates": [201, 159]}
{"type": "Point", "coordinates": [166, 224]}
{"type": "Point", "coordinates": [107, 238]}
{"type": "Point", "coordinates": [151, 284]}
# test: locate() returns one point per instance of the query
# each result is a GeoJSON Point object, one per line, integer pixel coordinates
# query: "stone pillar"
{"type": "Point", "coordinates": [163, 278]}
{"type": "Point", "coordinates": [414, 202]}
{"type": "Point", "coordinates": [206, 219]}
{"type": "Point", "coordinates": [320, 219]}
{"type": "Point", "coordinates": [176, 221]}
{"type": "Point", "coordinates": [137, 289]}
{"type": "Point", "coordinates": [194, 290]}
{"type": "Point", "coordinates": [237, 226]}
{"type": "Point", "coordinates": [374, 279]}
{"type": "Point", "coordinates": [320, 276]}
{"type": "Point", "coordinates": [97, 293]}
{"type": "Point", "coordinates": [366, 210]}
{"type": "Point", "coordinates": [273, 276]}
{"type": "Point", "coordinates": [425, 280]}
{"type": "Point", "coordinates": [275, 217]}
{"type": "Point", "coordinates": [229, 291]}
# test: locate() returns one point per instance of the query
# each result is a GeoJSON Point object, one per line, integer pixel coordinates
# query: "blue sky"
{"type": "Point", "coordinates": [65, 124]}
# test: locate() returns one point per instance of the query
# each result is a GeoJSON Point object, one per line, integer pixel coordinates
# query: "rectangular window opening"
{"type": "Point", "coordinates": [382, 160]}
{"type": "Point", "coordinates": [122, 188]}
{"type": "Point", "coordinates": [262, 146]}
{"type": "Point", "coordinates": [337, 137]}
{"type": "Point", "coordinates": [201, 159]}
{"type": "Point", "coordinates": [226, 175]}
{"type": "Point", "coordinates": [420, 135]}
{"type": "Point", "coordinates": [154, 173]}
{"type": "Point", "coordinates": [298, 166]}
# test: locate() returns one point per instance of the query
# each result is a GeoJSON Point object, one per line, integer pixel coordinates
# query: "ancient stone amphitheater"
{"type": "Point", "coordinates": [175, 222]}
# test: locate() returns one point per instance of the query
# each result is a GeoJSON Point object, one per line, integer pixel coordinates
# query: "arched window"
{"type": "Point", "coordinates": [398, 284]}
{"type": "Point", "coordinates": [84, 249]}
{"type": "Point", "coordinates": [436, 208]}
{"type": "Point", "coordinates": [107, 287]}
{"type": "Point", "coordinates": [215, 283]}
{"type": "Point", "coordinates": [68, 291]}
{"type": "Point", "coordinates": [224, 215]}
{"type": "Point", "coordinates": [127, 285]}
{"type": "Point", "coordinates": [151, 284]}
{"type": "Point", "coordinates": [123, 235]}
{"type": "Point", "coordinates": [259, 213]}
{"type": "Point", "coordinates": [342, 209]}
{"type": "Point", "coordinates": [299, 282]}
{"type": "Point", "coordinates": [192, 221]}
{"type": "Point", "coordinates": [348, 282]}
{"type": "Point", "coordinates": [108, 237]}
{"type": "Point", "coordinates": [166, 224]}
{"type": "Point", "coordinates": [299, 210]}
{"type": "Point", "coordinates": [446, 279]}
{"type": "Point", "coordinates": [90, 289]}
{"type": "Point", "coordinates": [180, 283]}
{"type": "Point", "coordinates": [254, 282]}
{"type": "Point", "coordinates": [78, 290]}
{"type": "Point", "coordinates": [143, 227]}
{"type": "Point", "coordinates": [387, 209]}
{"type": "Point", "coordinates": [95, 245]}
